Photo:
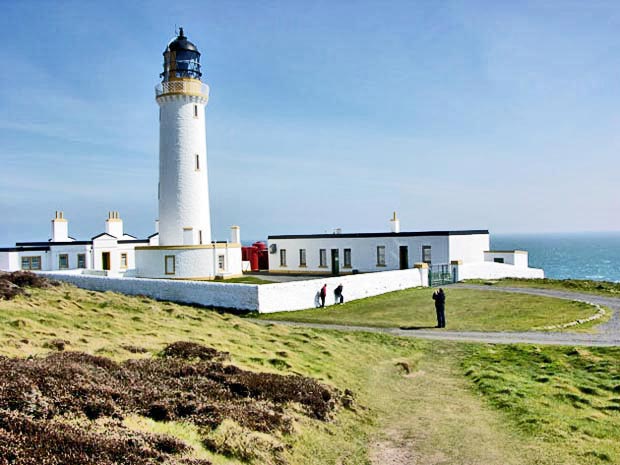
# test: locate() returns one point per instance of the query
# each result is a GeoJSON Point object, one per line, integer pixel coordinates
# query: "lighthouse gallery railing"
{"type": "Point", "coordinates": [182, 87]}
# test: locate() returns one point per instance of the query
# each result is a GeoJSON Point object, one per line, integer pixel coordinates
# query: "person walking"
{"type": "Point", "coordinates": [323, 294]}
{"type": "Point", "coordinates": [440, 307]}
{"type": "Point", "coordinates": [338, 297]}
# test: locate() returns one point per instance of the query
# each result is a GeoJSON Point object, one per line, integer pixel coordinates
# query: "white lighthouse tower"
{"type": "Point", "coordinates": [184, 214]}
{"type": "Point", "coordinates": [185, 249]}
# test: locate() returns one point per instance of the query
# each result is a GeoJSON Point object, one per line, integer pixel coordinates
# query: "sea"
{"type": "Point", "coordinates": [589, 255]}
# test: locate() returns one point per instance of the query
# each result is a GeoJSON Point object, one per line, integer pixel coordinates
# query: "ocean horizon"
{"type": "Point", "coordinates": [585, 255]}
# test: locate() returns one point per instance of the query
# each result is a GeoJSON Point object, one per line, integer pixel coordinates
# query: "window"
{"type": "Point", "coordinates": [169, 264]}
{"type": "Point", "coordinates": [81, 260]}
{"type": "Point", "coordinates": [380, 255]}
{"type": "Point", "coordinates": [323, 258]}
{"type": "Point", "coordinates": [347, 258]}
{"type": "Point", "coordinates": [282, 257]}
{"type": "Point", "coordinates": [195, 111]}
{"type": "Point", "coordinates": [31, 263]}
{"type": "Point", "coordinates": [123, 260]}
{"type": "Point", "coordinates": [200, 236]}
{"type": "Point", "coordinates": [302, 257]}
{"type": "Point", "coordinates": [63, 261]}
{"type": "Point", "coordinates": [221, 262]}
{"type": "Point", "coordinates": [197, 162]}
{"type": "Point", "coordinates": [426, 253]}
{"type": "Point", "coordinates": [498, 260]}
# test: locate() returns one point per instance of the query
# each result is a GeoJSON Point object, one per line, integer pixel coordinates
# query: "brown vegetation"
{"type": "Point", "coordinates": [186, 383]}
{"type": "Point", "coordinates": [13, 284]}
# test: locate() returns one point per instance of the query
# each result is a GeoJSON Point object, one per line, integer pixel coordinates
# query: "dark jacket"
{"type": "Point", "coordinates": [323, 291]}
{"type": "Point", "coordinates": [440, 298]}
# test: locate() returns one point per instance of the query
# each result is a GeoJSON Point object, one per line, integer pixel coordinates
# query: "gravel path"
{"type": "Point", "coordinates": [608, 334]}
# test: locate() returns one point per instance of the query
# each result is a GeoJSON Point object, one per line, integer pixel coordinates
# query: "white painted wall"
{"type": "Point", "coordinates": [469, 248]}
{"type": "Point", "coordinates": [183, 189]}
{"type": "Point", "coordinates": [490, 270]}
{"type": "Point", "coordinates": [298, 295]}
{"type": "Point", "coordinates": [363, 252]}
{"type": "Point", "coordinates": [190, 262]}
{"type": "Point", "coordinates": [265, 298]}
{"type": "Point", "coordinates": [239, 296]}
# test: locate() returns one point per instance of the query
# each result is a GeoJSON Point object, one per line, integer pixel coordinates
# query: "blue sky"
{"type": "Point", "coordinates": [459, 115]}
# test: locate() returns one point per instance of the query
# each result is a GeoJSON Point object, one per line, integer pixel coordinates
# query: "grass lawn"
{"type": "Point", "coordinates": [559, 395]}
{"type": "Point", "coordinates": [604, 288]}
{"type": "Point", "coordinates": [466, 309]}
{"type": "Point", "coordinates": [416, 401]}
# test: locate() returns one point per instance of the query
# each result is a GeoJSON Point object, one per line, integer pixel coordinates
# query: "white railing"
{"type": "Point", "coordinates": [182, 87]}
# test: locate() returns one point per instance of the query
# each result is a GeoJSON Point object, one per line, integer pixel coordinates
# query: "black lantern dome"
{"type": "Point", "coordinates": [181, 60]}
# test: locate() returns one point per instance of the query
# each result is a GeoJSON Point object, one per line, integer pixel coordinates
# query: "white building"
{"type": "Point", "coordinates": [185, 249]}
{"type": "Point", "coordinates": [454, 255]}
{"type": "Point", "coordinates": [111, 252]}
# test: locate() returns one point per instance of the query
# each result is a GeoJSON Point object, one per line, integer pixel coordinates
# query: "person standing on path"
{"type": "Point", "coordinates": [323, 294]}
{"type": "Point", "coordinates": [440, 307]}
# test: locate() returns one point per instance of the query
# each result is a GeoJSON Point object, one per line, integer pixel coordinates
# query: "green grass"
{"type": "Point", "coordinates": [455, 398]}
{"type": "Point", "coordinates": [108, 324]}
{"type": "Point", "coordinates": [466, 309]}
{"type": "Point", "coordinates": [605, 288]}
{"type": "Point", "coordinates": [560, 395]}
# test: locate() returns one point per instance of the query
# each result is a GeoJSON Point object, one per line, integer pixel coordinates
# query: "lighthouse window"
{"type": "Point", "coordinates": [380, 255]}
{"type": "Point", "coordinates": [195, 111]}
{"type": "Point", "coordinates": [169, 264]}
{"type": "Point", "coordinates": [81, 259]}
{"type": "Point", "coordinates": [63, 261]}
{"type": "Point", "coordinates": [282, 257]}
{"type": "Point", "coordinates": [302, 257]}
{"type": "Point", "coordinates": [323, 258]}
{"type": "Point", "coordinates": [221, 262]}
{"type": "Point", "coordinates": [197, 162]}
{"type": "Point", "coordinates": [347, 258]}
{"type": "Point", "coordinates": [31, 263]}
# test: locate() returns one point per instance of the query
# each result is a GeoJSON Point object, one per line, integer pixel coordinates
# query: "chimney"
{"type": "Point", "coordinates": [395, 224]}
{"type": "Point", "coordinates": [60, 228]}
{"type": "Point", "coordinates": [235, 235]}
{"type": "Point", "coordinates": [114, 225]}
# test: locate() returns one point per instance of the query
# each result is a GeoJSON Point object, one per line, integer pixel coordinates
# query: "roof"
{"type": "Point", "coordinates": [50, 243]}
{"type": "Point", "coordinates": [25, 249]}
{"type": "Point", "coordinates": [469, 232]}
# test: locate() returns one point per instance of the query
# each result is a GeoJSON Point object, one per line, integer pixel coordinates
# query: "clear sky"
{"type": "Point", "coordinates": [323, 114]}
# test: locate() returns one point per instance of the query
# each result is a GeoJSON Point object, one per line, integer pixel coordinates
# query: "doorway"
{"type": "Point", "coordinates": [335, 262]}
{"type": "Point", "coordinates": [404, 257]}
{"type": "Point", "coordinates": [105, 260]}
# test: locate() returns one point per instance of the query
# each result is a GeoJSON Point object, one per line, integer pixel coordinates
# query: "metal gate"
{"type": "Point", "coordinates": [439, 275]}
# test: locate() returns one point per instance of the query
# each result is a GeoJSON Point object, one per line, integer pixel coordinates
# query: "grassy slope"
{"type": "Point", "coordinates": [465, 310]}
{"type": "Point", "coordinates": [435, 414]}
{"type": "Point", "coordinates": [559, 395]}
{"type": "Point", "coordinates": [604, 288]}
{"type": "Point", "coordinates": [102, 323]}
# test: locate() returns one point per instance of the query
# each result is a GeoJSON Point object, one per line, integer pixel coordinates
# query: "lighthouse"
{"type": "Point", "coordinates": [184, 214]}
{"type": "Point", "coordinates": [184, 247]}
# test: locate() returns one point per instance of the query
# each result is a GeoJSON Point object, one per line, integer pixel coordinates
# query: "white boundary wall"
{"type": "Point", "coordinates": [264, 298]}
{"type": "Point", "coordinates": [239, 296]}
{"type": "Point", "coordinates": [492, 270]}
{"type": "Point", "coordinates": [298, 295]}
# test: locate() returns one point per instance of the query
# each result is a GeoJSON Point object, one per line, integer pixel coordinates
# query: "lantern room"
{"type": "Point", "coordinates": [181, 60]}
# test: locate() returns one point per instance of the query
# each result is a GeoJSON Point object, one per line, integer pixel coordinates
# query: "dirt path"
{"type": "Point", "coordinates": [607, 334]}
{"type": "Point", "coordinates": [439, 420]}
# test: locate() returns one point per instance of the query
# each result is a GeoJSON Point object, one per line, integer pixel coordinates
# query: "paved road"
{"type": "Point", "coordinates": [608, 334]}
